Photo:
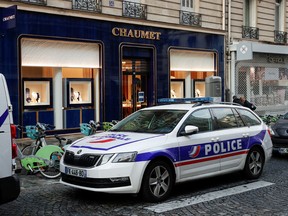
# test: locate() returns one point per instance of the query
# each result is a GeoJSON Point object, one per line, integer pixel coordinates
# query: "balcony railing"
{"type": "Point", "coordinates": [39, 2]}
{"type": "Point", "coordinates": [87, 5]}
{"type": "Point", "coordinates": [280, 37]}
{"type": "Point", "coordinates": [250, 32]}
{"type": "Point", "coordinates": [190, 18]}
{"type": "Point", "coordinates": [134, 10]}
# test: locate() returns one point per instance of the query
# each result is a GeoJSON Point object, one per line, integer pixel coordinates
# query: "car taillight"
{"type": "Point", "coordinates": [13, 137]}
{"type": "Point", "coordinates": [269, 131]}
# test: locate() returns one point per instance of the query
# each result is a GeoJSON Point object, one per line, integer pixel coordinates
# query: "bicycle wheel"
{"type": "Point", "coordinates": [52, 170]}
{"type": "Point", "coordinates": [27, 150]}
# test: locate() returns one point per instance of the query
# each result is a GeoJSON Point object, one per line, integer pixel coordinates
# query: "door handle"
{"type": "Point", "coordinates": [215, 139]}
{"type": "Point", "coordinates": [245, 135]}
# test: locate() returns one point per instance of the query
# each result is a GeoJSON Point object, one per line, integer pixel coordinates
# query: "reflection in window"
{"type": "Point", "coordinates": [151, 121]}
{"type": "Point", "coordinates": [238, 119]}
{"type": "Point", "coordinates": [201, 119]}
{"type": "Point", "coordinates": [248, 117]}
{"type": "Point", "coordinates": [225, 118]}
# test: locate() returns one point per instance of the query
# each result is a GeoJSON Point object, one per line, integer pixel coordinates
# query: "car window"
{"type": "Point", "coordinates": [201, 119]}
{"type": "Point", "coordinates": [224, 118]}
{"type": "Point", "coordinates": [248, 117]}
{"type": "Point", "coordinates": [238, 119]}
{"type": "Point", "coordinates": [285, 116]}
{"type": "Point", "coordinates": [151, 121]}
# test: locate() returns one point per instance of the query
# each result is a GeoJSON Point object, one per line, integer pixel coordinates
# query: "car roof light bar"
{"type": "Point", "coordinates": [186, 100]}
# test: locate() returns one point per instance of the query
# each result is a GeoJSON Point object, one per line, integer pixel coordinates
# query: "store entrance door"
{"type": "Point", "coordinates": [134, 85]}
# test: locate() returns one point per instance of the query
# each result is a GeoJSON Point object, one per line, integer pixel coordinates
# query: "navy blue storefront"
{"type": "Point", "coordinates": [134, 67]}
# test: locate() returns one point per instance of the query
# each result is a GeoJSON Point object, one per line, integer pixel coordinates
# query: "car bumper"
{"type": "Point", "coordinates": [9, 188]}
{"type": "Point", "coordinates": [280, 145]}
{"type": "Point", "coordinates": [109, 178]}
{"type": "Point", "coordinates": [280, 142]}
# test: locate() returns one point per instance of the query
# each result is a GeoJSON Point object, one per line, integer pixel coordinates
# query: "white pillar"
{"type": "Point", "coordinates": [57, 98]}
{"type": "Point", "coordinates": [96, 98]}
{"type": "Point", "coordinates": [188, 87]}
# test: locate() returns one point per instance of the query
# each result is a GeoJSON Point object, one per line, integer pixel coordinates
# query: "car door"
{"type": "Point", "coordinates": [5, 133]}
{"type": "Point", "coordinates": [232, 137]}
{"type": "Point", "coordinates": [196, 155]}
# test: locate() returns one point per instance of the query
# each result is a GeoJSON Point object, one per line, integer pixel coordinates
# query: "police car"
{"type": "Point", "coordinates": [154, 148]}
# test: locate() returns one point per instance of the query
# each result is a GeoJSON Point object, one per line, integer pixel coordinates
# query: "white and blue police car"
{"type": "Point", "coordinates": [154, 148]}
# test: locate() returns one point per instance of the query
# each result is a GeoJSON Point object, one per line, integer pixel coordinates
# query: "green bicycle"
{"type": "Point", "coordinates": [39, 156]}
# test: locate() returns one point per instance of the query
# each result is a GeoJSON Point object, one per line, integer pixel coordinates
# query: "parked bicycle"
{"type": "Point", "coordinates": [91, 128]}
{"type": "Point", "coordinates": [40, 156]}
{"type": "Point", "coordinates": [270, 119]}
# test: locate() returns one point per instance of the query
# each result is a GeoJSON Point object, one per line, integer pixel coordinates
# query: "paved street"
{"type": "Point", "coordinates": [41, 196]}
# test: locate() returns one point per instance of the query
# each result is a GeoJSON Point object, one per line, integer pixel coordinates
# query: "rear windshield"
{"type": "Point", "coordinates": [151, 121]}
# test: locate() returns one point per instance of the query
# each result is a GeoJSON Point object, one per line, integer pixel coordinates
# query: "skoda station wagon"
{"type": "Point", "coordinates": [154, 148]}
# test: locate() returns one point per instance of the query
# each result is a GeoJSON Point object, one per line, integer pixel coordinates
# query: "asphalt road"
{"type": "Point", "coordinates": [41, 196]}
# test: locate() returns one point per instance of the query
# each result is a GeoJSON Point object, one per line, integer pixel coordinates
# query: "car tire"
{"type": "Point", "coordinates": [158, 181]}
{"type": "Point", "coordinates": [254, 163]}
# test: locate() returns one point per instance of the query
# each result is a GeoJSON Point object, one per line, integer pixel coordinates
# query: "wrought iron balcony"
{"type": "Point", "coordinates": [190, 18]}
{"type": "Point", "coordinates": [250, 32]}
{"type": "Point", "coordinates": [280, 37]}
{"type": "Point", "coordinates": [87, 5]}
{"type": "Point", "coordinates": [134, 10]}
{"type": "Point", "coordinates": [39, 2]}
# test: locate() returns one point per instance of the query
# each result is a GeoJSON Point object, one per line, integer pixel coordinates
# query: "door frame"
{"type": "Point", "coordinates": [151, 82]}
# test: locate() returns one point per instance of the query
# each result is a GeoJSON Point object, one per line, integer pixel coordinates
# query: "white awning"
{"type": "Point", "coordinates": [187, 60]}
{"type": "Point", "coordinates": [55, 53]}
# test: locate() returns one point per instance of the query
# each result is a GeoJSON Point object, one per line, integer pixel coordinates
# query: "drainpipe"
{"type": "Point", "coordinates": [230, 77]}
{"type": "Point", "coordinates": [223, 14]}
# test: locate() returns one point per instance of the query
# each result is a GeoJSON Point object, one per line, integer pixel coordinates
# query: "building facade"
{"type": "Point", "coordinates": [258, 53]}
{"type": "Point", "coordinates": [69, 61]}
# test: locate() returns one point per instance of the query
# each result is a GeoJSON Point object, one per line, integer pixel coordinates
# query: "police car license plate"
{"type": "Point", "coordinates": [76, 172]}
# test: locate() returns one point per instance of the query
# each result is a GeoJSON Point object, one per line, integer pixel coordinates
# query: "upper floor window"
{"type": "Point", "coordinates": [250, 13]}
{"type": "Point", "coordinates": [190, 5]}
{"type": "Point", "coordinates": [279, 15]}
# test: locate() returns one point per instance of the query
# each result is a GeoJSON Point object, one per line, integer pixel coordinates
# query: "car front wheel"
{"type": "Point", "coordinates": [158, 181]}
{"type": "Point", "coordinates": [254, 163]}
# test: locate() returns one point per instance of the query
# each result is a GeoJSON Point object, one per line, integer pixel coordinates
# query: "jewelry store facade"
{"type": "Point", "coordinates": [66, 70]}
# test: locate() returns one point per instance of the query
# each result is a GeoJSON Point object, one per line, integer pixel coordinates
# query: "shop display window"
{"type": "Point", "coordinates": [79, 92]}
{"type": "Point", "coordinates": [37, 93]}
{"type": "Point", "coordinates": [177, 88]}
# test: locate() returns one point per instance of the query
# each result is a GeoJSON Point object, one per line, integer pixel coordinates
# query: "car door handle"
{"type": "Point", "coordinates": [215, 139]}
{"type": "Point", "coordinates": [245, 135]}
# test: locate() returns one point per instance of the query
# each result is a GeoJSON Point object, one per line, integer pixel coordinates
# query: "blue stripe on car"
{"type": "Point", "coordinates": [3, 117]}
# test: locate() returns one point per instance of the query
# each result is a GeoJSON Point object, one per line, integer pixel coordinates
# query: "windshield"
{"type": "Point", "coordinates": [285, 116]}
{"type": "Point", "coordinates": [151, 121]}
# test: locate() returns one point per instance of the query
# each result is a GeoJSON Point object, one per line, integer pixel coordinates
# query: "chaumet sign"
{"type": "Point", "coordinates": [134, 33]}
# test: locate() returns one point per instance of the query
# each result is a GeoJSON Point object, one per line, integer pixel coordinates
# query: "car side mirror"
{"type": "Point", "coordinates": [189, 130]}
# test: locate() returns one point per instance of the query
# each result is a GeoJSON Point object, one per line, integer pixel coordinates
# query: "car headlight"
{"type": "Point", "coordinates": [272, 131]}
{"type": "Point", "coordinates": [104, 159]}
{"type": "Point", "coordinates": [125, 157]}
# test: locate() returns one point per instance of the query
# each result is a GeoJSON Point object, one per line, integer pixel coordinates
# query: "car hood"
{"type": "Point", "coordinates": [116, 142]}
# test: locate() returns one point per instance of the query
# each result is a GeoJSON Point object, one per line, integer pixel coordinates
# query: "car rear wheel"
{"type": "Point", "coordinates": [254, 163]}
{"type": "Point", "coordinates": [158, 181]}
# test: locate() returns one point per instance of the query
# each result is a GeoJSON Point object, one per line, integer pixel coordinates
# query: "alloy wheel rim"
{"type": "Point", "coordinates": [159, 181]}
{"type": "Point", "coordinates": [255, 163]}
